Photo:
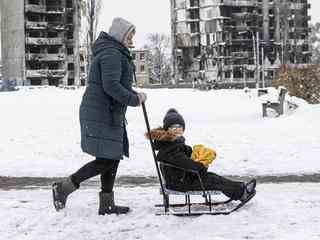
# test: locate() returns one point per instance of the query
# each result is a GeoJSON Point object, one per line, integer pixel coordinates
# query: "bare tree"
{"type": "Point", "coordinates": [90, 11]}
{"type": "Point", "coordinates": [160, 57]}
{"type": "Point", "coordinates": [315, 43]}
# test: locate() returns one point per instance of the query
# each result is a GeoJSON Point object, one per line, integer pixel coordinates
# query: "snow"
{"type": "Point", "coordinates": [40, 137]}
{"type": "Point", "coordinates": [278, 211]}
{"type": "Point", "coordinates": [40, 133]}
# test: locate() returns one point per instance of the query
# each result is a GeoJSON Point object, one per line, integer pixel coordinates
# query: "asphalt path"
{"type": "Point", "coordinates": [8, 183]}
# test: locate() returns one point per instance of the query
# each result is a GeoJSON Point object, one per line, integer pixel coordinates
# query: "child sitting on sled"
{"type": "Point", "coordinates": [170, 143]}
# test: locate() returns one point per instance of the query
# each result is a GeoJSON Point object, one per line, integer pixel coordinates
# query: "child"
{"type": "Point", "coordinates": [170, 143]}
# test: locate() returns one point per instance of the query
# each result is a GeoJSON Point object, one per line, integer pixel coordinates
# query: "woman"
{"type": "Point", "coordinates": [102, 115]}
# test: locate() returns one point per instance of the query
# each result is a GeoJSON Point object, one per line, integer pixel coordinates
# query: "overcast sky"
{"type": "Point", "coordinates": [154, 15]}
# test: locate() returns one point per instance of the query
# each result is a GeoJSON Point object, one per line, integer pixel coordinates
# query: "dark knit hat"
{"type": "Point", "coordinates": [173, 117]}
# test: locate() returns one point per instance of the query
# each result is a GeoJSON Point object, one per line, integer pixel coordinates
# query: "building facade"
{"type": "Point", "coordinates": [40, 42]}
{"type": "Point", "coordinates": [140, 58]}
{"type": "Point", "coordinates": [238, 42]}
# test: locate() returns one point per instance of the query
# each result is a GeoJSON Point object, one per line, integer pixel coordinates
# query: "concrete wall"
{"type": "Point", "coordinates": [13, 40]}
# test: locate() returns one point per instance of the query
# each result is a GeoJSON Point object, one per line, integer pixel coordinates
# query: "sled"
{"type": "Point", "coordinates": [209, 206]}
{"type": "Point", "coordinates": [189, 208]}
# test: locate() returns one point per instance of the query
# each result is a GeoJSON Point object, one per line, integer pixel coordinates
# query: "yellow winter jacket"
{"type": "Point", "coordinates": [203, 155]}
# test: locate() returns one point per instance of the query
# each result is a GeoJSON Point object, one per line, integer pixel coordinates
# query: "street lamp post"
{"type": "Point", "coordinates": [255, 46]}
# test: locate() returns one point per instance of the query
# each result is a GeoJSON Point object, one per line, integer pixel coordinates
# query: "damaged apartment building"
{"type": "Point", "coordinates": [40, 42]}
{"type": "Point", "coordinates": [238, 43]}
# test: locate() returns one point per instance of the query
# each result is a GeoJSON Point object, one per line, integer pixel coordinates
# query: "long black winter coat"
{"type": "Point", "coordinates": [104, 103]}
{"type": "Point", "coordinates": [174, 151]}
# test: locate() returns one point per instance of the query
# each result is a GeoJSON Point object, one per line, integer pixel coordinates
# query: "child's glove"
{"type": "Point", "coordinates": [203, 155]}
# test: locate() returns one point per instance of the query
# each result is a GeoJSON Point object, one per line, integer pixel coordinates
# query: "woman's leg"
{"type": "Point", "coordinates": [92, 169]}
{"type": "Point", "coordinates": [232, 189]}
{"type": "Point", "coordinates": [108, 176]}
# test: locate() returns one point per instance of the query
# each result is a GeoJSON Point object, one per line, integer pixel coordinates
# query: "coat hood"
{"type": "Point", "coordinates": [105, 41]}
{"type": "Point", "coordinates": [120, 28]}
{"type": "Point", "coordinates": [160, 134]}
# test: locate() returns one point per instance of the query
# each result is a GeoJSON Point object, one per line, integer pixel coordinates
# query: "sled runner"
{"type": "Point", "coordinates": [189, 208]}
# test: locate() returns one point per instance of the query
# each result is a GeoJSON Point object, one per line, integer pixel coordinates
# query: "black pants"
{"type": "Point", "coordinates": [107, 168]}
{"type": "Point", "coordinates": [232, 189]}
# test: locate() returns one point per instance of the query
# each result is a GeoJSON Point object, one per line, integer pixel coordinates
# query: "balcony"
{"type": "Point", "coordinates": [35, 8]}
{"type": "Point", "coordinates": [45, 57]}
{"type": "Point", "coordinates": [44, 41]}
{"type": "Point", "coordinates": [56, 26]}
{"type": "Point", "coordinates": [238, 3]}
{"type": "Point", "coordinates": [56, 73]}
{"type": "Point", "coordinates": [55, 9]}
{"type": "Point", "coordinates": [36, 25]}
{"type": "Point", "coordinates": [45, 73]}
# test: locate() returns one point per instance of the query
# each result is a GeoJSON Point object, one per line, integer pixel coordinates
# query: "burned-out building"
{"type": "Point", "coordinates": [40, 41]}
{"type": "Point", "coordinates": [238, 42]}
{"type": "Point", "coordinates": [140, 59]}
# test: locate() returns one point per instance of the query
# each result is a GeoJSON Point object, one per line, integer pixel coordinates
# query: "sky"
{"type": "Point", "coordinates": [151, 16]}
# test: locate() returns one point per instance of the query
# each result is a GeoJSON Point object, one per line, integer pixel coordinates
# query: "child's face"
{"type": "Point", "coordinates": [177, 130]}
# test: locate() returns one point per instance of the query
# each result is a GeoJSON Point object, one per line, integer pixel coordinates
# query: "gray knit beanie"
{"type": "Point", "coordinates": [120, 28]}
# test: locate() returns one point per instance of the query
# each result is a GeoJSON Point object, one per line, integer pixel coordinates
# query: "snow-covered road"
{"type": "Point", "coordinates": [279, 212]}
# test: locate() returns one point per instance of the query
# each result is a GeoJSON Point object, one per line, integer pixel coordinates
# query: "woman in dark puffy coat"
{"type": "Point", "coordinates": [170, 143]}
{"type": "Point", "coordinates": [102, 115]}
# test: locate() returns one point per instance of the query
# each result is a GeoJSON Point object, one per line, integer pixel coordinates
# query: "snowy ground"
{"type": "Point", "coordinates": [39, 136]}
{"type": "Point", "coordinates": [279, 212]}
{"type": "Point", "coordinates": [39, 132]}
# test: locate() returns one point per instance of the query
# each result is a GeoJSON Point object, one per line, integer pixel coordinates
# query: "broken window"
{"type": "Point", "coordinates": [69, 3]}
{"type": "Point", "coordinates": [34, 49]}
{"type": "Point", "coordinates": [70, 81]}
{"type": "Point", "coordinates": [53, 49]}
{"type": "Point", "coordinates": [194, 3]}
{"type": "Point", "coordinates": [70, 35]}
{"type": "Point", "coordinates": [34, 2]}
{"type": "Point", "coordinates": [34, 34]}
{"type": "Point", "coordinates": [52, 34]}
{"type": "Point", "coordinates": [33, 17]}
{"type": "Point", "coordinates": [70, 66]}
{"type": "Point", "coordinates": [53, 66]}
{"type": "Point", "coordinates": [69, 50]}
{"type": "Point", "coordinates": [70, 19]}
{"type": "Point", "coordinates": [54, 18]}
{"type": "Point", "coordinates": [33, 65]}
{"type": "Point", "coordinates": [194, 27]}
{"type": "Point", "coordinates": [54, 82]}
{"type": "Point", "coordinates": [35, 82]}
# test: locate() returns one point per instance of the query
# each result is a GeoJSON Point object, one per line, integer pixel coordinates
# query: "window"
{"type": "Point", "coordinates": [34, 2]}
{"type": "Point", "coordinates": [53, 66]}
{"type": "Point", "coordinates": [142, 56]}
{"type": "Point", "coordinates": [134, 56]}
{"type": "Point", "coordinates": [52, 34]}
{"type": "Point", "coordinates": [69, 50]}
{"type": "Point", "coordinates": [70, 35]}
{"type": "Point", "coordinates": [142, 68]}
{"type": "Point", "coordinates": [70, 66]}
{"type": "Point", "coordinates": [69, 3]}
{"type": "Point", "coordinates": [53, 50]}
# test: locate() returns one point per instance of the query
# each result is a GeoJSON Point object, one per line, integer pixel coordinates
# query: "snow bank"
{"type": "Point", "coordinates": [40, 136]}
